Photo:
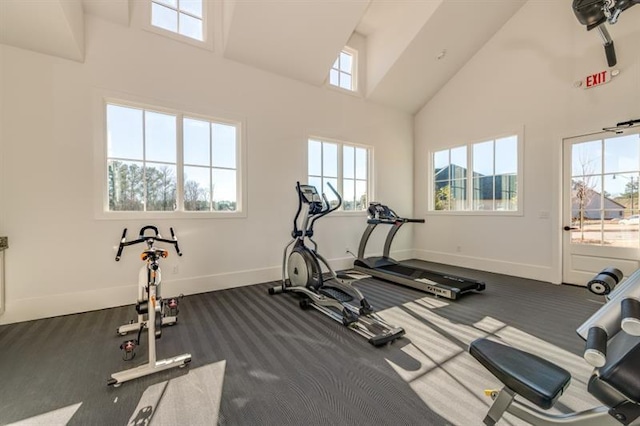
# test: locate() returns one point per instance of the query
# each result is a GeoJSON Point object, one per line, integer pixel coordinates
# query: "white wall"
{"type": "Point", "coordinates": [61, 257]}
{"type": "Point", "coordinates": [524, 77]}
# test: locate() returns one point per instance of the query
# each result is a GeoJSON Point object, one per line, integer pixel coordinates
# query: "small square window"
{"type": "Point", "coordinates": [342, 73]}
{"type": "Point", "coordinates": [183, 17]}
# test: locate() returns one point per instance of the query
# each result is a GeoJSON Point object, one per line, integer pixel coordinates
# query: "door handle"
{"type": "Point", "coordinates": [570, 228]}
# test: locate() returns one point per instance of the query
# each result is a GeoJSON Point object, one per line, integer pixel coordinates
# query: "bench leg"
{"type": "Point", "coordinates": [500, 404]}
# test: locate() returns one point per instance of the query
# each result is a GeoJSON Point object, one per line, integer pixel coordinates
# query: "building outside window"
{"type": "Point", "coordinates": [480, 176]}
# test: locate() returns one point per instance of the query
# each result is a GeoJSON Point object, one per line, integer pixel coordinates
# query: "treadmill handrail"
{"type": "Point", "coordinates": [386, 251]}
{"type": "Point", "coordinates": [394, 221]}
{"type": "Point", "coordinates": [373, 223]}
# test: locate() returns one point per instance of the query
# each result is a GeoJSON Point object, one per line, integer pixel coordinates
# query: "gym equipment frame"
{"type": "Point", "coordinates": [149, 304]}
{"type": "Point", "coordinates": [612, 337]}
{"type": "Point", "coordinates": [387, 268]}
{"type": "Point", "coordinates": [302, 274]}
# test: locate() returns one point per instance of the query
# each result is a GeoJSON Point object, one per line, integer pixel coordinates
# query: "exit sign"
{"type": "Point", "coordinates": [596, 79]}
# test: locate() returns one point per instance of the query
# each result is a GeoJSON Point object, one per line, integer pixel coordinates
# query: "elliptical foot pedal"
{"type": "Point", "coordinates": [387, 336]}
{"type": "Point", "coordinates": [335, 293]}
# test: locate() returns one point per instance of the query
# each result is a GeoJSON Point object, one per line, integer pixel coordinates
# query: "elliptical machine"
{"type": "Point", "coordinates": [153, 311]}
{"type": "Point", "coordinates": [302, 274]}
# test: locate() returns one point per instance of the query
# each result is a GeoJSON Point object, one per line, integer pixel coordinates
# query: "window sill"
{"type": "Point", "coordinates": [343, 213]}
{"type": "Point", "coordinates": [204, 44]}
{"type": "Point", "coordinates": [474, 213]}
{"type": "Point", "coordinates": [169, 215]}
{"type": "Point", "coordinates": [354, 93]}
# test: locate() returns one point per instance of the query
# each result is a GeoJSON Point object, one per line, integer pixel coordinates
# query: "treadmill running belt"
{"type": "Point", "coordinates": [403, 270]}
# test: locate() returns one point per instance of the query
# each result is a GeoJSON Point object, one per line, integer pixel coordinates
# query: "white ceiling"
{"type": "Point", "coordinates": [301, 39]}
{"type": "Point", "coordinates": [296, 39]}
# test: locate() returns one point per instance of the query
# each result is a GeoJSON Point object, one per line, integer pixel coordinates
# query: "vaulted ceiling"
{"type": "Point", "coordinates": [412, 47]}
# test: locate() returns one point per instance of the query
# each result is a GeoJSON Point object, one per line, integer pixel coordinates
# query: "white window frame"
{"type": "Point", "coordinates": [207, 34]}
{"type": "Point", "coordinates": [354, 71]}
{"type": "Point", "coordinates": [340, 177]}
{"type": "Point", "coordinates": [519, 133]}
{"type": "Point", "coordinates": [101, 206]}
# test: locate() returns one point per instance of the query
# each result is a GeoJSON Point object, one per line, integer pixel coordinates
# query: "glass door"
{"type": "Point", "coordinates": [601, 211]}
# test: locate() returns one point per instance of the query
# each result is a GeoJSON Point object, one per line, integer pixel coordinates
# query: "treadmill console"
{"type": "Point", "coordinates": [381, 212]}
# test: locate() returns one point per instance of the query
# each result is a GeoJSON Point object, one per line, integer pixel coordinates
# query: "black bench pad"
{"type": "Point", "coordinates": [530, 376]}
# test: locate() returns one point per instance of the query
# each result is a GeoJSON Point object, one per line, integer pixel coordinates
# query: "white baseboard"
{"type": "Point", "coordinates": [72, 303]}
{"type": "Point", "coordinates": [84, 301]}
{"type": "Point", "coordinates": [523, 270]}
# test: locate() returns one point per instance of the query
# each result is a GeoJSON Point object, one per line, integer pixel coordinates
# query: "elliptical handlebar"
{"type": "Point", "coordinates": [295, 232]}
{"type": "Point", "coordinates": [149, 239]}
{"type": "Point", "coordinates": [326, 203]}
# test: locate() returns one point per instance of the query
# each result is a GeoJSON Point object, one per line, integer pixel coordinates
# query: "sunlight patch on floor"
{"type": "Point", "coordinates": [193, 398]}
{"type": "Point", "coordinates": [60, 416]}
{"type": "Point", "coordinates": [451, 382]}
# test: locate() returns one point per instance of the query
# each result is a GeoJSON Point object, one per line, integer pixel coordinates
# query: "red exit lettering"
{"type": "Point", "coordinates": [596, 79]}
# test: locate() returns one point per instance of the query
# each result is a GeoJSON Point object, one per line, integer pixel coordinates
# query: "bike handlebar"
{"type": "Point", "coordinates": [149, 239]}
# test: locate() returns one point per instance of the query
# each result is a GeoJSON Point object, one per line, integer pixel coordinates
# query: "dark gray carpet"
{"type": "Point", "coordinates": [260, 359]}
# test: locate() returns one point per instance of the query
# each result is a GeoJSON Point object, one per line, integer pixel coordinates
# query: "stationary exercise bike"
{"type": "Point", "coordinates": [302, 273]}
{"type": "Point", "coordinates": [153, 311]}
{"type": "Point", "coordinates": [612, 338]}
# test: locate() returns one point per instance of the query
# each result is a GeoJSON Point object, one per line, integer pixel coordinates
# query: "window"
{"type": "Point", "coordinates": [183, 17]}
{"type": "Point", "coordinates": [342, 72]}
{"type": "Point", "coordinates": [345, 166]}
{"type": "Point", "coordinates": [141, 159]}
{"type": "Point", "coordinates": [210, 166]}
{"type": "Point", "coordinates": [159, 161]}
{"type": "Point", "coordinates": [481, 176]}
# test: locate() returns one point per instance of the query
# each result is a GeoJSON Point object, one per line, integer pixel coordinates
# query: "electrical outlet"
{"type": "Point", "coordinates": [176, 269]}
{"type": "Point", "coordinates": [458, 249]}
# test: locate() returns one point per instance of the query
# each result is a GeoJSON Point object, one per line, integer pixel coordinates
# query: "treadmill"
{"type": "Point", "coordinates": [386, 268]}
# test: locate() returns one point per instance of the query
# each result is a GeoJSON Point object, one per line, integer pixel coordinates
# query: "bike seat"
{"type": "Point", "coordinates": [539, 381]}
{"type": "Point", "coordinates": [154, 254]}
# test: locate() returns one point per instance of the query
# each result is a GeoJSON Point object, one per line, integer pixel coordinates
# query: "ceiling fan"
{"type": "Point", "coordinates": [596, 13]}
